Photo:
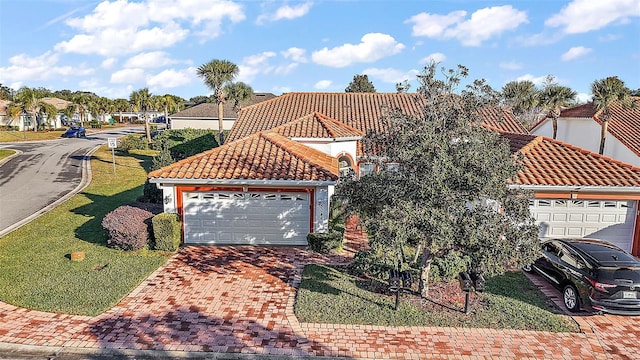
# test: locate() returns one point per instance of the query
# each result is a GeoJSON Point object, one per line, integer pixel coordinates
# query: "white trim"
{"type": "Point", "coordinates": [579, 188]}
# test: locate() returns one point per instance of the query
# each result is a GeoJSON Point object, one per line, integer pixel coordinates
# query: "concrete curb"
{"type": "Point", "coordinates": [84, 182]}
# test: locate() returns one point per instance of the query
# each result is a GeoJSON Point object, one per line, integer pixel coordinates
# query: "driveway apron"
{"type": "Point", "coordinates": [240, 300]}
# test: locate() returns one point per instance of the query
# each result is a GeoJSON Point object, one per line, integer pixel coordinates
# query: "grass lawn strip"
{"type": "Point", "coordinates": [36, 270]}
{"type": "Point", "coordinates": [331, 295]}
{"type": "Point", "coordinates": [4, 153]}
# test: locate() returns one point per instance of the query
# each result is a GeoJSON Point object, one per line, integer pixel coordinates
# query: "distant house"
{"type": "Point", "coordinates": [205, 115]}
{"type": "Point", "coordinates": [581, 126]}
{"type": "Point", "coordinates": [60, 105]}
{"type": "Point", "coordinates": [19, 122]}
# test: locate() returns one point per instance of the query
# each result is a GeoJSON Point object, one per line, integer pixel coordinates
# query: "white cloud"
{"type": "Point", "coordinates": [575, 52]}
{"type": "Point", "coordinates": [435, 57]}
{"type": "Point", "coordinates": [582, 16]}
{"type": "Point", "coordinates": [254, 65]}
{"type": "Point", "coordinates": [583, 98]}
{"type": "Point", "coordinates": [286, 12]}
{"type": "Point", "coordinates": [510, 65]}
{"type": "Point", "coordinates": [39, 68]}
{"type": "Point", "coordinates": [280, 89]}
{"type": "Point", "coordinates": [123, 27]}
{"type": "Point", "coordinates": [170, 78]}
{"type": "Point", "coordinates": [152, 59]}
{"type": "Point", "coordinates": [372, 47]}
{"type": "Point", "coordinates": [127, 76]}
{"type": "Point", "coordinates": [323, 84]}
{"type": "Point", "coordinates": [483, 24]}
{"type": "Point", "coordinates": [285, 69]}
{"type": "Point", "coordinates": [537, 80]}
{"type": "Point", "coordinates": [108, 63]}
{"type": "Point", "coordinates": [295, 54]}
{"type": "Point", "coordinates": [390, 75]}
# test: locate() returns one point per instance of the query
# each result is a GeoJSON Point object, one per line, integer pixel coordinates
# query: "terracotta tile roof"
{"type": "Point", "coordinates": [624, 125]}
{"type": "Point", "coordinates": [552, 162]}
{"type": "Point", "coordinates": [501, 119]}
{"type": "Point", "coordinates": [581, 111]}
{"type": "Point", "coordinates": [210, 110]}
{"type": "Point", "coordinates": [262, 156]}
{"type": "Point", "coordinates": [317, 125]}
{"type": "Point", "coordinates": [361, 111]}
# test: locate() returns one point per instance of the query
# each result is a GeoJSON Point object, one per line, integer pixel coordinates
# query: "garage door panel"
{"type": "Point", "coordinates": [609, 220]}
{"type": "Point", "coordinates": [247, 218]}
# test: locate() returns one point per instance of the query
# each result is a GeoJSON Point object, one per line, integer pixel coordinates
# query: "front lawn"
{"type": "Point", "coordinates": [36, 272]}
{"type": "Point", "coordinates": [10, 136]}
{"type": "Point", "coordinates": [511, 301]}
{"type": "Point", "coordinates": [4, 153]}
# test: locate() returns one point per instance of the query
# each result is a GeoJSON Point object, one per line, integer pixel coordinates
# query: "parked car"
{"type": "Point", "coordinates": [75, 132]}
{"type": "Point", "coordinates": [590, 271]}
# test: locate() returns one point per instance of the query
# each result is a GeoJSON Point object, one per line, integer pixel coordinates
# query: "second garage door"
{"type": "Point", "coordinates": [611, 220]}
{"type": "Point", "coordinates": [236, 217]}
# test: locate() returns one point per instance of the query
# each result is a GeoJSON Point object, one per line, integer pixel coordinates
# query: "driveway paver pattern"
{"type": "Point", "coordinates": [240, 300]}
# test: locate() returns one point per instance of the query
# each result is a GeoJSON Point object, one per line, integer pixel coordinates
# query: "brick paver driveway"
{"type": "Point", "coordinates": [240, 300]}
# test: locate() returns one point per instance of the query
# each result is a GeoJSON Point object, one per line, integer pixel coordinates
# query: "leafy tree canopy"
{"type": "Point", "coordinates": [447, 191]}
{"type": "Point", "coordinates": [360, 84]}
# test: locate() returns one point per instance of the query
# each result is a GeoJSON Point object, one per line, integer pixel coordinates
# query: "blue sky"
{"type": "Point", "coordinates": [115, 47]}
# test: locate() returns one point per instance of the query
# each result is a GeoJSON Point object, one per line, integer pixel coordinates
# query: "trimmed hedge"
{"type": "Point", "coordinates": [132, 142]}
{"type": "Point", "coordinates": [127, 227]}
{"type": "Point", "coordinates": [325, 242]}
{"type": "Point", "coordinates": [166, 231]}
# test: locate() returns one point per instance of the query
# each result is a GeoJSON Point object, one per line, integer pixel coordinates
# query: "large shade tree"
{"type": "Point", "coordinates": [553, 98]}
{"type": "Point", "coordinates": [448, 191]}
{"type": "Point", "coordinates": [360, 84]}
{"type": "Point", "coordinates": [216, 74]}
{"type": "Point", "coordinates": [605, 92]}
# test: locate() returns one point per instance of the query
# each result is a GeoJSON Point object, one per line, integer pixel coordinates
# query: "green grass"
{"type": "Point", "coordinates": [36, 272]}
{"type": "Point", "coordinates": [9, 136]}
{"type": "Point", "coordinates": [4, 153]}
{"type": "Point", "coordinates": [511, 301]}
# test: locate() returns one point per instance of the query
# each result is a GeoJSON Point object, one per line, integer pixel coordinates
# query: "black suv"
{"type": "Point", "coordinates": [591, 272]}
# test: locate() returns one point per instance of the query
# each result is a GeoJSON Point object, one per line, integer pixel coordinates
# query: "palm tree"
{"type": "Point", "coordinates": [170, 104]}
{"type": "Point", "coordinates": [217, 73]}
{"type": "Point", "coordinates": [606, 92]}
{"type": "Point", "coordinates": [14, 110]}
{"type": "Point", "coordinates": [120, 106]}
{"type": "Point", "coordinates": [82, 102]}
{"type": "Point", "coordinates": [523, 98]}
{"type": "Point", "coordinates": [238, 92]}
{"type": "Point", "coordinates": [553, 98]}
{"type": "Point", "coordinates": [140, 99]}
{"type": "Point", "coordinates": [48, 112]}
{"type": "Point", "coordinates": [30, 102]}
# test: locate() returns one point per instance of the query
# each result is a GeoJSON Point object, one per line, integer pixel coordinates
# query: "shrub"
{"type": "Point", "coordinates": [183, 143]}
{"type": "Point", "coordinates": [132, 142]}
{"type": "Point", "coordinates": [448, 267]}
{"type": "Point", "coordinates": [324, 242]}
{"type": "Point", "coordinates": [371, 264]}
{"type": "Point", "coordinates": [151, 193]}
{"type": "Point", "coordinates": [127, 227]}
{"type": "Point", "coordinates": [166, 231]}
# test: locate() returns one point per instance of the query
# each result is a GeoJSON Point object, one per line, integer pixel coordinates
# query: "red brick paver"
{"type": "Point", "coordinates": [240, 300]}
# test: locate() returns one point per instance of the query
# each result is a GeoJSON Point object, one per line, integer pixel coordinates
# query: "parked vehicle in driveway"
{"type": "Point", "coordinates": [590, 271]}
{"type": "Point", "coordinates": [75, 132]}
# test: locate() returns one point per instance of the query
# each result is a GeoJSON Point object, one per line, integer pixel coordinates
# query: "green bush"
{"type": "Point", "coordinates": [151, 193]}
{"type": "Point", "coordinates": [183, 143]}
{"type": "Point", "coordinates": [167, 231]}
{"type": "Point", "coordinates": [95, 124]}
{"type": "Point", "coordinates": [371, 264]}
{"type": "Point", "coordinates": [448, 267]}
{"type": "Point", "coordinates": [132, 142]}
{"type": "Point", "coordinates": [324, 242]}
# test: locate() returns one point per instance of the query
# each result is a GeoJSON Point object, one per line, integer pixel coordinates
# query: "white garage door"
{"type": "Point", "coordinates": [609, 220]}
{"type": "Point", "coordinates": [259, 218]}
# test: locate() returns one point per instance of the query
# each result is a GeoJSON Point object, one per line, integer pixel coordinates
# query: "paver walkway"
{"type": "Point", "coordinates": [240, 300]}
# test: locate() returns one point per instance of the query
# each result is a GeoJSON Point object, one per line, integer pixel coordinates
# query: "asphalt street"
{"type": "Point", "coordinates": [45, 173]}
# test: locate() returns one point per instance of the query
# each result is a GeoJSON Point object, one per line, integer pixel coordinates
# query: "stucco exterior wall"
{"type": "Point", "coordinates": [211, 124]}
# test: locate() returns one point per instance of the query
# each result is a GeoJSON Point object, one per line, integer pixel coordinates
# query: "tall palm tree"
{"type": "Point", "coordinates": [141, 101]}
{"type": "Point", "coordinates": [238, 92]}
{"type": "Point", "coordinates": [553, 98]}
{"type": "Point", "coordinates": [170, 104]}
{"type": "Point", "coordinates": [14, 110]}
{"type": "Point", "coordinates": [523, 98]}
{"type": "Point", "coordinates": [120, 106]}
{"type": "Point", "coordinates": [605, 92]}
{"type": "Point", "coordinates": [30, 102]}
{"type": "Point", "coordinates": [82, 101]}
{"type": "Point", "coordinates": [48, 112]}
{"type": "Point", "coordinates": [217, 73]}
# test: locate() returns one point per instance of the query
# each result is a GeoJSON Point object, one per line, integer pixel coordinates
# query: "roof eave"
{"type": "Point", "coordinates": [579, 188]}
{"type": "Point", "coordinates": [291, 183]}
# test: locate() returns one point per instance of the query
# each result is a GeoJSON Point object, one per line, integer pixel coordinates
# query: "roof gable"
{"type": "Point", "coordinates": [59, 104]}
{"type": "Point", "coordinates": [555, 163]}
{"type": "Point", "coordinates": [319, 126]}
{"type": "Point", "coordinates": [262, 156]}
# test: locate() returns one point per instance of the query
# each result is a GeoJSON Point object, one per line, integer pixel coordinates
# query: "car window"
{"type": "Point", "coordinates": [552, 248]}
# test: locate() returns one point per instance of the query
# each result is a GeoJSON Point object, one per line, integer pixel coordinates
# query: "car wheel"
{"type": "Point", "coordinates": [527, 268]}
{"type": "Point", "coordinates": [571, 298]}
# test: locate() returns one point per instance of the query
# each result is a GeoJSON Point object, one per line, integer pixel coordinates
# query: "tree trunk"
{"type": "Point", "coordinates": [425, 267]}
{"type": "Point", "coordinates": [418, 250]}
{"type": "Point", "coordinates": [146, 125]}
{"type": "Point", "coordinates": [603, 135]}
{"type": "Point", "coordinates": [220, 126]}
{"type": "Point", "coordinates": [555, 127]}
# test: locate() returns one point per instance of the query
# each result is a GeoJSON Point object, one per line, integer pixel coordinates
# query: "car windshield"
{"type": "Point", "coordinates": [620, 275]}
{"type": "Point", "coordinates": [606, 255]}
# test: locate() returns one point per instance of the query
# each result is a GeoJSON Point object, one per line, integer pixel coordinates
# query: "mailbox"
{"type": "Point", "coordinates": [394, 280]}
{"type": "Point", "coordinates": [466, 284]}
{"type": "Point", "coordinates": [478, 281]}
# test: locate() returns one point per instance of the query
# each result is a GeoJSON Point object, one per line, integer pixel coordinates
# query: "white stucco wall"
{"type": "Point", "coordinates": [333, 148]}
{"type": "Point", "coordinates": [585, 133]}
{"type": "Point", "coordinates": [212, 124]}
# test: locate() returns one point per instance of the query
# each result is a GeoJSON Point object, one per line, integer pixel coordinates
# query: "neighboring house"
{"type": "Point", "coordinates": [581, 126]}
{"type": "Point", "coordinates": [579, 193]}
{"type": "Point", "coordinates": [4, 119]}
{"type": "Point", "coordinates": [19, 122]}
{"type": "Point", "coordinates": [205, 115]}
{"type": "Point", "coordinates": [60, 105]}
{"type": "Point", "coordinates": [284, 156]}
